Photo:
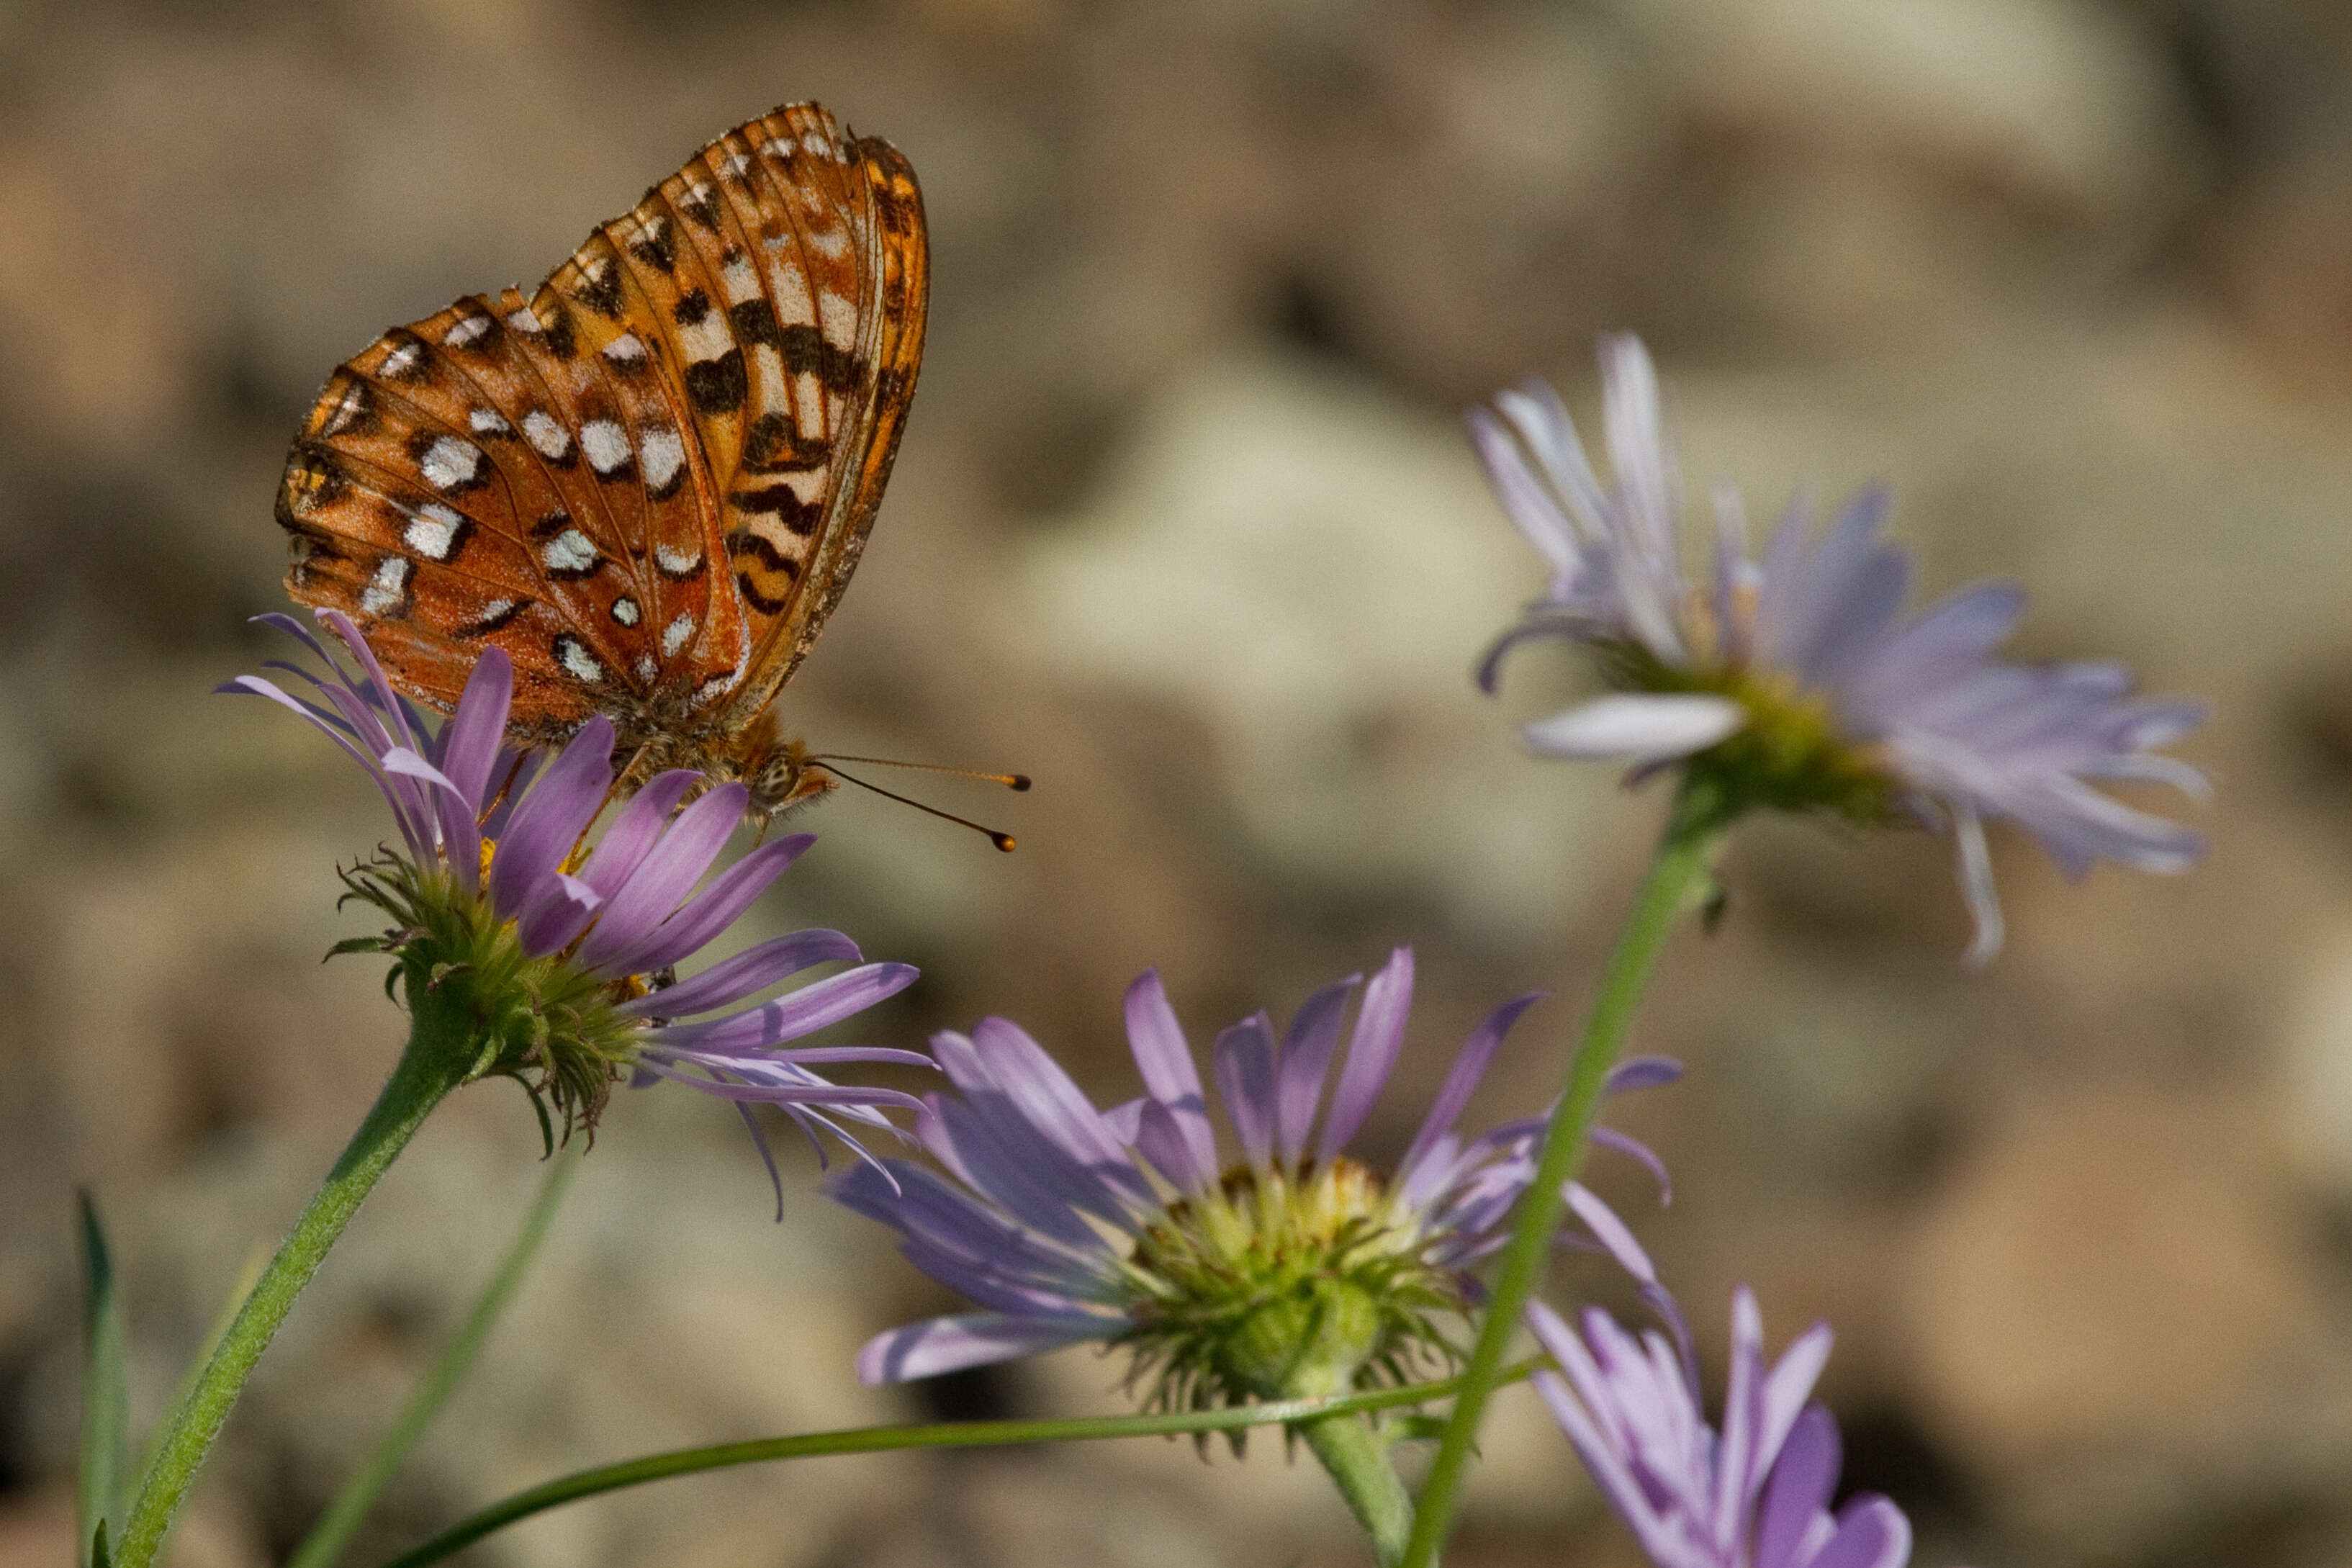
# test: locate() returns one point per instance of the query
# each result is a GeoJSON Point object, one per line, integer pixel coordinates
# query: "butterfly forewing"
{"type": "Point", "coordinates": [649, 482]}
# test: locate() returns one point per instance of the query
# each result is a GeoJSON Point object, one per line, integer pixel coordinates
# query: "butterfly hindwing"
{"type": "Point", "coordinates": [851, 279]}
{"type": "Point", "coordinates": [895, 301]}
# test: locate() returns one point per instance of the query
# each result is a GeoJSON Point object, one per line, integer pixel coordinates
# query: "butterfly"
{"type": "Point", "coordinates": [649, 482]}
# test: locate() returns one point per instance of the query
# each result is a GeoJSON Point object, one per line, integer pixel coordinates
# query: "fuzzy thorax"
{"type": "Point", "coordinates": [775, 767]}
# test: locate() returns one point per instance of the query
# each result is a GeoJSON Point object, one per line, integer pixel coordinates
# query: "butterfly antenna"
{"type": "Point", "coordinates": [1017, 782]}
{"type": "Point", "coordinates": [1004, 841]}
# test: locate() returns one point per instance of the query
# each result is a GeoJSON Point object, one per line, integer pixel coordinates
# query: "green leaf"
{"type": "Point", "coordinates": [546, 1127]}
{"type": "Point", "coordinates": [106, 1394]}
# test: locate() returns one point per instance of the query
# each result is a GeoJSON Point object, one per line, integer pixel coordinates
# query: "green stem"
{"type": "Point", "coordinates": [349, 1510]}
{"type": "Point", "coordinates": [1677, 871]}
{"type": "Point", "coordinates": [248, 1277]}
{"type": "Point", "coordinates": [437, 1060]}
{"type": "Point", "coordinates": [1357, 1458]}
{"type": "Point", "coordinates": [945, 1435]}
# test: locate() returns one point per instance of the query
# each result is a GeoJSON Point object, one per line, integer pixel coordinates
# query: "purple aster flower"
{"type": "Point", "coordinates": [1754, 1495]}
{"type": "Point", "coordinates": [1794, 681]}
{"type": "Point", "coordinates": [573, 951]}
{"type": "Point", "coordinates": [1292, 1271]}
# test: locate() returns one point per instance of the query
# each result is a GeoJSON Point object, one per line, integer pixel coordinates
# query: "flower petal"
{"type": "Point", "coordinates": [802, 1012]}
{"type": "Point", "coordinates": [559, 909]}
{"type": "Point", "coordinates": [978, 1076]}
{"type": "Point", "coordinates": [469, 742]}
{"type": "Point", "coordinates": [1649, 574]}
{"type": "Point", "coordinates": [419, 844]}
{"type": "Point", "coordinates": [1126, 1118]}
{"type": "Point", "coordinates": [1742, 1463]}
{"type": "Point", "coordinates": [1371, 1053]}
{"type": "Point", "coordinates": [1243, 1060]}
{"type": "Point", "coordinates": [1462, 1081]}
{"type": "Point", "coordinates": [1638, 728]}
{"type": "Point", "coordinates": [341, 623]}
{"type": "Point", "coordinates": [1541, 422]}
{"type": "Point", "coordinates": [1579, 1395]}
{"type": "Point", "coordinates": [1977, 886]}
{"type": "Point", "coordinates": [1303, 1064]}
{"type": "Point", "coordinates": [1159, 1138]}
{"type": "Point", "coordinates": [1799, 1489]}
{"type": "Point", "coordinates": [976, 1339]}
{"type": "Point", "coordinates": [1604, 1224]}
{"type": "Point", "coordinates": [1642, 1154]}
{"type": "Point", "coordinates": [711, 910]}
{"type": "Point", "coordinates": [1525, 502]}
{"type": "Point", "coordinates": [1639, 1073]}
{"type": "Point", "coordinates": [1844, 595]}
{"type": "Point", "coordinates": [1050, 1099]}
{"type": "Point", "coordinates": [637, 829]}
{"type": "Point", "coordinates": [789, 1090]}
{"type": "Point", "coordinates": [1164, 1058]}
{"type": "Point", "coordinates": [753, 969]}
{"type": "Point", "coordinates": [652, 892]}
{"type": "Point", "coordinates": [920, 1204]}
{"type": "Point", "coordinates": [516, 766]}
{"type": "Point", "coordinates": [563, 800]}
{"type": "Point", "coordinates": [1949, 641]}
{"type": "Point", "coordinates": [1788, 1386]}
{"type": "Point", "coordinates": [1540, 622]}
{"type": "Point", "coordinates": [1048, 1195]}
{"type": "Point", "coordinates": [1871, 1533]}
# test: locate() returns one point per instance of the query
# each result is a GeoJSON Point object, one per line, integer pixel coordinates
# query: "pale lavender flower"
{"type": "Point", "coordinates": [1069, 1223]}
{"type": "Point", "coordinates": [493, 874]}
{"type": "Point", "coordinates": [1755, 1494]}
{"type": "Point", "coordinates": [1794, 680]}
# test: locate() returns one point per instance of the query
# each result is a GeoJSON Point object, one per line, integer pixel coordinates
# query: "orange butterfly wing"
{"type": "Point", "coordinates": [650, 482]}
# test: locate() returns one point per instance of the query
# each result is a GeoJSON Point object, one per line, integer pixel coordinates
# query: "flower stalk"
{"type": "Point", "coordinates": [1312, 1344]}
{"type": "Point", "coordinates": [1355, 1454]}
{"type": "Point", "coordinates": [349, 1510]}
{"type": "Point", "coordinates": [635, 1472]}
{"type": "Point", "coordinates": [443, 1052]}
{"type": "Point", "coordinates": [1678, 879]}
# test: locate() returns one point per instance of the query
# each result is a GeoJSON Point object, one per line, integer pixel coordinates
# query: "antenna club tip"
{"type": "Point", "coordinates": [1004, 841]}
{"type": "Point", "coordinates": [1020, 781]}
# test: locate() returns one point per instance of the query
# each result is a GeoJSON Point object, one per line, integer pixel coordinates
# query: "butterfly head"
{"type": "Point", "coordinates": [782, 776]}
{"type": "Point", "coordinates": [781, 780]}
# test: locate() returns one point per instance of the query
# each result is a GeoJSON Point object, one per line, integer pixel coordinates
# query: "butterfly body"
{"type": "Point", "coordinates": [648, 481]}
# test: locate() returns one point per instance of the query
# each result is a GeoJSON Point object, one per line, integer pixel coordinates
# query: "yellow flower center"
{"type": "Point", "coordinates": [1790, 754]}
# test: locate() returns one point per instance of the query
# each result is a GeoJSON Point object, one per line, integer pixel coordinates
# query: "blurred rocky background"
{"type": "Point", "coordinates": [1184, 525]}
